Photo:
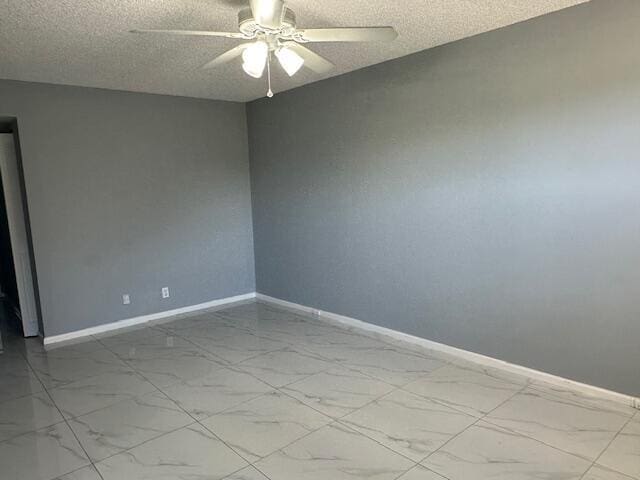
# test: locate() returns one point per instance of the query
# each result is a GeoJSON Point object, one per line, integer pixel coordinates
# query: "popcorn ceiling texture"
{"type": "Point", "coordinates": [87, 43]}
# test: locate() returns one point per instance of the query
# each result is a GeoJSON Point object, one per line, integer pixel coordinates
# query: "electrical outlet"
{"type": "Point", "coordinates": [165, 292]}
{"type": "Point", "coordinates": [126, 300]}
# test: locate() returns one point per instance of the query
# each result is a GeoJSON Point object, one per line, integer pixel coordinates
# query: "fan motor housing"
{"type": "Point", "coordinates": [248, 25]}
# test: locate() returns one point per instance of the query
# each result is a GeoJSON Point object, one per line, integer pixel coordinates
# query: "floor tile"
{"type": "Point", "coordinates": [10, 362]}
{"type": "Point", "coordinates": [484, 452]}
{"type": "Point", "coordinates": [214, 331]}
{"type": "Point", "coordinates": [339, 345]}
{"type": "Point", "coordinates": [466, 390]}
{"type": "Point", "coordinates": [213, 393]}
{"type": "Point", "coordinates": [341, 337]}
{"type": "Point", "coordinates": [126, 424]}
{"type": "Point", "coordinates": [292, 332]}
{"type": "Point", "coordinates": [336, 337]}
{"type": "Point", "coordinates": [280, 324]}
{"type": "Point", "coordinates": [239, 347]}
{"type": "Point", "coordinates": [334, 452]}
{"type": "Point", "coordinates": [54, 370]}
{"type": "Point", "coordinates": [77, 348]}
{"type": "Point", "coordinates": [421, 473]}
{"type": "Point", "coordinates": [573, 427]}
{"type": "Point", "coordinates": [408, 424]}
{"type": "Point", "coordinates": [394, 404]}
{"type": "Point", "coordinates": [580, 397]}
{"type": "Point", "coordinates": [623, 454]}
{"type": "Point", "coordinates": [98, 392]}
{"type": "Point", "coordinates": [259, 311]}
{"type": "Point", "coordinates": [498, 374]}
{"type": "Point", "coordinates": [337, 391]}
{"type": "Point", "coordinates": [392, 365]}
{"type": "Point", "coordinates": [190, 453]}
{"type": "Point", "coordinates": [10, 346]}
{"type": "Point", "coordinates": [202, 319]}
{"type": "Point", "coordinates": [25, 414]}
{"type": "Point", "coordinates": [284, 366]}
{"type": "Point", "coordinates": [157, 346]}
{"type": "Point", "coordinates": [17, 380]}
{"type": "Point", "coordinates": [85, 473]}
{"type": "Point", "coordinates": [600, 473]}
{"type": "Point", "coordinates": [128, 335]}
{"type": "Point", "coordinates": [41, 455]}
{"type": "Point", "coordinates": [248, 473]}
{"type": "Point", "coordinates": [180, 365]}
{"type": "Point", "coordinates": [261, 426]}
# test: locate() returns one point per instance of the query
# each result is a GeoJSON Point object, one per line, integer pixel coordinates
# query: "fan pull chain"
{"type": "Point", "coordinates": [269, 92]}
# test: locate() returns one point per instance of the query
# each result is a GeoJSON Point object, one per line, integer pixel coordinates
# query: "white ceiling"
{"type": "Point", "coordinates": [85, 42]}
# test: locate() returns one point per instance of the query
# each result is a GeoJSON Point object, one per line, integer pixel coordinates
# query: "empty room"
{"type": "Point", "coordinates": [320, 240]}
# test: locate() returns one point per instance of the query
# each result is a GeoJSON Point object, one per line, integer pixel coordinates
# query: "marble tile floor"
{"type": "Point", "coordinates": [254, 392]}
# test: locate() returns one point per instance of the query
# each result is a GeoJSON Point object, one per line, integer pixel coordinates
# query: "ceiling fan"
{"type": "Point", "coordinates": [271, 26]}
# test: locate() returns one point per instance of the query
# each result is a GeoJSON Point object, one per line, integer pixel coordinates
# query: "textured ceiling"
{"type": "Point", "coordinates": [85, 42]}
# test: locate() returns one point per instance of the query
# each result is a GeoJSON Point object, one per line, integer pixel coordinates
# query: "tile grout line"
{"type": "Point", "coordinates": [287, 343]}
{"type": "Point", "coordinates": [399, 345]}
{"type": "Point", "coordinates": [334, 420]}
{"type": "Point", "coordinates": [558, 398]}
{"type": "Point", "coordinates": [528, 384]}
{"type": "Point", "coordinates": [484, 418]}
{"type": "Point", "coordinates": [43, 391]}
{"type": "Point", "coordinates": [162, 434]}
{"type": "Point", "coordinates": [524, 435]}
{"type": "Point", "coordinates": [89, 459]}
{"type": "Point", "coordinates": [473, 424]}
{"type": "Point", "coordinates": [311, 354]}
{"type": "Point", "coordinates": [64, 420]}
{"type": "Point", "coordinates": [338, 420]}
{"type": "Point", "coordinates": [584, 400]}
{"type": "Point", "coordinates": [419, 463]}
{"type": "Point", "coordinates": [195, 421]}
{"type": "Point", "coordinates": [605, 449]}
{"type": "Point", "coordinates": [336, 363]}
{"type": "Point", "coordinates": [79, 379]}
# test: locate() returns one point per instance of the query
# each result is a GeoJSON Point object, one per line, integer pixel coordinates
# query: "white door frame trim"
{"type": "Point", "coordinates": [16, 218]}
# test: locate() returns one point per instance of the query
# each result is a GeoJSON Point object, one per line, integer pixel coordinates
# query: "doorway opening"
{"type": "Point", "coordinates": [18, 288]}
{"type": "Point", "coordinates": [10, 309]}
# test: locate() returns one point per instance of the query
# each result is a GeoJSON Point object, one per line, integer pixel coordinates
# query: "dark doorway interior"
{"type": "Point", "coordinates": [8, 285]}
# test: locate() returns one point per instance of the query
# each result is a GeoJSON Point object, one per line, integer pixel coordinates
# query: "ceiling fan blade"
{"type": "Point", "coordinates": [193, 32]}
{"type": "Point", "coordinates": [311, 59]}
{"type": "Point", "coordinates": [268, 13]}
{"type": "Point", "coordinates": [349, 34]}
{"type": "Point", "coordinates": [227, 56]}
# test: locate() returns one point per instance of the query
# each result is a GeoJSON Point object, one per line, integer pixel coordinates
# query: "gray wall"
{"type": "Point", "coordinates": [129, 193]}
{"type": "Point", "coordinates": [484, 194]}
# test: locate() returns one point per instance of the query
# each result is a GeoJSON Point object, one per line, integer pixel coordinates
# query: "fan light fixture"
{"type": "Point", "coordinates": [254, 59]}
{"type": "Point", "coordinates": [271, 26]}
{"type": "Point", "coordinates": [290, 61]}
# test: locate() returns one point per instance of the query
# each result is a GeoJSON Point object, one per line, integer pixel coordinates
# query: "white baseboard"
{"type": "Point", "coordinates": [145, 319]}
{"type": "Point", "coordinates": [489, 362]}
